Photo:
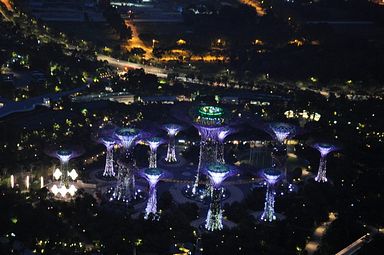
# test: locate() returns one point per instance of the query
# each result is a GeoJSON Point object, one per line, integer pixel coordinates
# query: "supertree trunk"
{"type": "Point", "coordinates": [208, 155]}
{"type": "Point", "coordinates": [171, 150]}
{"type": "Point", "coordinates": [322, 172]}
{"type": "Point", "coordinates": [269, 205]}
{"type": "Point", "coordinates": [108, 170]}
{"type": "Point", "coordinates": [215, 214]}
{"type": "Point", "coordinates": [220, 153]}
{"type": "Point", "coordinates": [152, 202]}
{"type": "Point", "coordinates": [153, 158]}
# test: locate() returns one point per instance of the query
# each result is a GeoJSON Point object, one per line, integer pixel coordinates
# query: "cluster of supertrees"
{"type": "Point", "coordinates": [214, 125]}
{"type": "Point", "coordinates": [124, 140]}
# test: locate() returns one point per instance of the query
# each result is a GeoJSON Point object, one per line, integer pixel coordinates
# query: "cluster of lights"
{"type": "Point", "coordinates": [63, 190]}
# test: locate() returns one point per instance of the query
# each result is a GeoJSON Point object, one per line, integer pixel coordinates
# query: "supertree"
{"type": "Point", "coordinates": [280, 131]}
{"type": "Point", "coordinates": [221, 137]}
{"type": "Point", "coordinates": [210, 121]}
{"type": "Point", "coordinates": [172, 131]}
{"type": "Point", "coordinates": [153, 143]}
{"type": "Point", "coordinates": [217, 174]}
{"type": "Point", "coordinates": [324, 149]}
{"type": "Point", "coordinates": [152, 175]}
{"type": "Point", "coordinates": [64, 177]}
{"type": "Point", "coordinates": [109, 143]}
{"type": "Point", "coordinates": [271, 176]}
{"type": "Point", "coordinates": [125, 185]}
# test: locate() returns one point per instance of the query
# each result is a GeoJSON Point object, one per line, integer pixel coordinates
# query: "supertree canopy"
{"type": "Point", "coordinates": [217, 174]}
{"type": "Point", "coordinates": [271, 176]}
{"type": "Point", "coordinates": [282, 131]}
{"type": "Point", "coordinates": [324, 149]}
{"type": "Point", "coordinates": [210, 121]}
{"type": "Point", "coordinates": [153, 143]}
{"type": "Point", "coordinates": [127, 136]}
{"type": "Point", "coordinates": [172, 131]}
{"type": "Point", "coordinates": [109, 142]}
{"type": "Point", "coordinates": [152, 175]}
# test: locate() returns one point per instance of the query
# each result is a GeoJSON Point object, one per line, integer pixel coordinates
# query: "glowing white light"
{"type": "Point", "coordinates": [12, 181]}
{"type": "Point", "coordinates": [27, 182]}
{"type": "Point", "coordinates": [63, 191]}
{"type": "Point", "coordinates": [72, 190]}
{"type": "Point", "coordinates": [41, 182]}
{"type": "Point", "coordinates": [217, 178]}
{"type": "Point", "coordinates": [57, 174]}
{"type": "Point", "coordinates": [54, 189]}
{"type": "Point", "coordinates": [73, 174]}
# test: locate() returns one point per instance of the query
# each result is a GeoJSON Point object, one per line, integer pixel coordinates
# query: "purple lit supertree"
{"type": "Point", "coordinates": [280, 131]}
{"type": "Point", "coordinates": [324, 149]}
{"type": "Point", "coordinates": [271, 176]}
{"type": "Point", "coordinates": [221, 137]}
{"type": "Point", "coordinates": [152, 175]}
{"type": "Point", "coordinates": [153, 143]}
{"type": "Point", "coordinates": [125, 185]}
{"type": "Point", "coordinates": [210, 121]}
{"type": "Point", "coordinates": [217, 174]}
{"type": "Point", "coordinates": [109, 143]}
{"type": "Point", "coordinates": [172, 131]}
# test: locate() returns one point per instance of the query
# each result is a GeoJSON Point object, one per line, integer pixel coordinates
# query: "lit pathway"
{"type": "Point", "coordinates": [136, 42]}
{"type": "Point", "coordinates": [319, 232]}
{"type": "Point", "coordinates": [255, 4]}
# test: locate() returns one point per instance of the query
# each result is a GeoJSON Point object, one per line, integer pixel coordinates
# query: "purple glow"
{"type": "Point", "coordinates": [325, 148]}
{"type": "Point", "coordinates": [282, 131]}
{"type": "Point", "coordinates": [208, 133]}
{"type": "Point", "coordinates": [154, 142]}
{"type": "Point", "coordinates": [172, 129]}
{"type": "Point", "coordinates": [64, 155]}
{"type": "Point", "coordinates": [127, 136]}
{"type": "Point", "coordinates": [224, 133]}
{"type": "Point", "coordinates": [219, 172]}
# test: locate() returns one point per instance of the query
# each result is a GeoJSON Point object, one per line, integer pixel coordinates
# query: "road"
{"type": "Point", "coordinates": [121, 64]}
{"type": "Point", "coordinates": [356, 245]}
{"type": "Point", "coordinates": [7, 4]}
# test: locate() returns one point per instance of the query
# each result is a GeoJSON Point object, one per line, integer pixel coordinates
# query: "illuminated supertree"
{"type": "Point", "coordinates": [64, 177]}
{"type": "Point", "coordinates": [152, 175]}
{"type": "Point", "coordinates": [125, 185]}
{"type": "Point", "coordinates": [221, 137]}
{"type": "Point", "coordinates": [280, 132]}
{"type": "Point", "coordinates": [210, 121]}
{"type": "Point", "coordinates": [271, 176]}
{"type": "Point", "coordinates": [153, 143]}
{"type": "Point", "coordinates": [217, 174]}
{"type": "Point", "coordinates": [324, 149]}
{"type": "Point", "coordinates": [172, 131]}
{"type": "Point", "coordinates": [109, 143]}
